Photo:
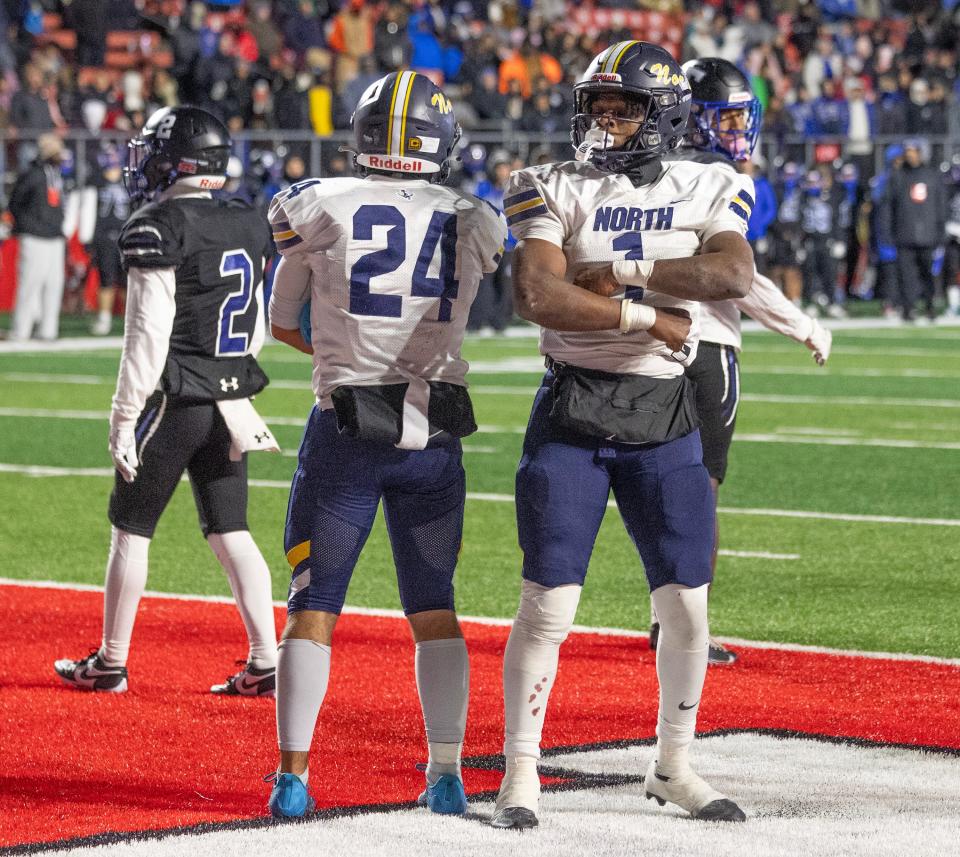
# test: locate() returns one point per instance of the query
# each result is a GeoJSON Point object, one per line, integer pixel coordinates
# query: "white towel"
{"type": "Point", "coordinates": [248, 431]}
{"type": "Point", "coordinates": [416, 426]}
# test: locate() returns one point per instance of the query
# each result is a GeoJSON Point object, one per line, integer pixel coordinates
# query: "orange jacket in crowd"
{"type": "Point", "coordinates": [518, 67]}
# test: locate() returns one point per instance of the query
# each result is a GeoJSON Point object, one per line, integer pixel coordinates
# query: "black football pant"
{"type": "Point", "coordinates": [916, 278]}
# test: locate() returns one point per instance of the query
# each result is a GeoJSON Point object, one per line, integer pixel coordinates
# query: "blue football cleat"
{"type": "Point", "coordinates": [445, 796]}
{"type": "Point", "coordinates": [289, 798]}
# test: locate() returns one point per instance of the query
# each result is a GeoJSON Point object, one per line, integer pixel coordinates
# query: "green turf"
{"type": "Point", "coordinates": [856, 585]}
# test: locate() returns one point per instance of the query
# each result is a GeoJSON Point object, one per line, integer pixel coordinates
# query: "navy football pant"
{"type": "Point", "coordinates": [337, 487]}
{"type": "Point", "coordinates": [564, 480]}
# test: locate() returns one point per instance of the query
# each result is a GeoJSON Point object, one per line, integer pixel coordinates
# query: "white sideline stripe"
{"type": "Point", "coordinates": [832, 372]}
{"type": "Point", "coordinates": [856, 351]}
{"type": "Point", "coordinates": [299, 422]}
{"type": "Point", "coordinates": [534, 365]}
{"type": "Point", "coordinates": [769, 398]}
{"type": "Point", "coordinates": [895, 328]}
{"type": "Point", "coordinates": [892, 330]}
{"type": "Point", "coordinates": [384, 613]}
{"type": "Point", "coordinates": [42, 470]}
{"type": "Point", "coordinates": [76, 343]}
{"type": "Point", "coordinates": [480, 450]}
{"type": "Point", "coordinates": [501, 390]}
{"type": "Point", "coordinates": [888, 443]}
{"type": "Point", "coordinates": [869, 401]}
{"type": "Point", "coordinates": [757, 554]}
{"type": "Point", "coordinates": [817, 430]}
{"type": "Point", "coordinates": [44, 378]}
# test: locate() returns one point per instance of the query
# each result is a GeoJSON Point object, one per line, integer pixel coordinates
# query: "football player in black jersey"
{"type": "Point", "coordinates": [194, 325]}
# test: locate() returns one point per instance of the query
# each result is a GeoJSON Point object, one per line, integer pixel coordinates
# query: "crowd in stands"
{"type": "Point", "coordinates": [850, 68]}
{"type": "Point", "coordinates": [851, 75]}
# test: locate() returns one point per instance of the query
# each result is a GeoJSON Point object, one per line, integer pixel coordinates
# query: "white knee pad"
{"type": "Point", "coordinates": [682, 613]}
{"type": "Point", "coordinates": [547, 613]}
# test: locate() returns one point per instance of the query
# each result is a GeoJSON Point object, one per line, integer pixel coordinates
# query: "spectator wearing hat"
{"type": "Point", "coordinates": [36, 204]}
{"type": "Point", "coordinates": [917, 213]}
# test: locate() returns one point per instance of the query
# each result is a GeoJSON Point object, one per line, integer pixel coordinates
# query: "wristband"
{"type": "Point", "coordinates": [636, 316]}
{"type": "Point", "coordinates": [633, 273]}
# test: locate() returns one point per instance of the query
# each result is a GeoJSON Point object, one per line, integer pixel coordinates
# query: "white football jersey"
{"type": "Point", "coordinates": [597, 217]}
{"type": "Point", "coordinates": [395, 264]}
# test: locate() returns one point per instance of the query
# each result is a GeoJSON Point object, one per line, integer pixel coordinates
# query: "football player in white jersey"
{"type": "Point", "coordinates": [390, 263]}
{"type": "Point", "coordinates": [724, 126]}
{"type": "Point", "coordinates": [615, 410]}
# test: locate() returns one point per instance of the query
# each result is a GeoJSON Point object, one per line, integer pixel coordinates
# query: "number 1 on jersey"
{"type": "Point", "coordinates": [632, 242]}
{"type": "Point", "coordinates": [442, 230]}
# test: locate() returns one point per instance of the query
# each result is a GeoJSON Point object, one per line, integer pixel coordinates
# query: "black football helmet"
{"type": "Point", "coordinates": [178, 144]}
{"type": "Point", "coordinates": [404, 123]}
{"type": "Point", "coordinates": [658, 99]}
{"type": "Point", "coordinates": [719, 86]}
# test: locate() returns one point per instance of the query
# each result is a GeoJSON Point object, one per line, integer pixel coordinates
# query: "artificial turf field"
{"type": "Point", "coordinates": [848, 477]}
{"type": "Point", "coordinates": [839, 526]}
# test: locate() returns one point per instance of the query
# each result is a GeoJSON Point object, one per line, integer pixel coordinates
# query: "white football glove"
{"type": "Point", "coordinates": [819, 342]}
{"type": "Point", "coordinates": [123, 450]}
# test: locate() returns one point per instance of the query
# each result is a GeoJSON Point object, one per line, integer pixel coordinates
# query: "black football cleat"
{"type": "Point", "coordinates": [720, 655]}
{"type": "Point", "coordinates": [250, 681]}
{"type": "Point", "coordinates": [91, 673]}
{"type": "Point", "coordinates": [717, 654]}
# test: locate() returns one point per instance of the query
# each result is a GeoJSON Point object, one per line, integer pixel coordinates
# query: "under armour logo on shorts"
{"type": "Point", "coordinates": [232, 384]}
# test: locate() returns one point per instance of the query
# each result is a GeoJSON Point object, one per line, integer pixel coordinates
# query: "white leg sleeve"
{"type": "Point", "coordinates": [125, 581]}
{"type": "Point", "coordinates": [530, 662]}
{"type": "Point", "coordinates": [443, 682]}
{"type": "Point", "coordinates": [681, 670]}
{"type": "Point", "coordinates": [303, 672]}
{"type": "Point", "coordinates": [250, 583]}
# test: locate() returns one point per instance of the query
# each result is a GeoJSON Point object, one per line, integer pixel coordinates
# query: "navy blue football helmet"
{"type": "Point", "coordinates": [178, 144]}
{"type": "Point", "coordinates": [404, 124]}
{"type": "Point", "coordinates": [657, 98]}
{"type": "Point", "coordinates": [719, 86]}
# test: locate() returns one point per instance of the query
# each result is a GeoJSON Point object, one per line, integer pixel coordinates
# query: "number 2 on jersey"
{"type": "Point", "coordinates": [442, 230]}
{"type": "Point", "coordinates": [229, 339]}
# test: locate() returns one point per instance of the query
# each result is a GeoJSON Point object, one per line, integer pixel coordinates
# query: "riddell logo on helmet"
{"type": "Point", "coordinates": [606, 77]}
{"type": "Point", "coordinates": [405, 165]}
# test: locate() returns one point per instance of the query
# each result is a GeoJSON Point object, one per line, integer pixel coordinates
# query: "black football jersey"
{"type": "Point", "coordinates": [218, 248]}
{"type": "Point", "coordinates": [113, 209]}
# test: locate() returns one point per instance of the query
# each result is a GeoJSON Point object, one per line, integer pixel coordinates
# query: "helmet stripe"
{"type": "Point", "coordinates": [616, 54]}
{"type": "Point", "coordinates": [403, 121]}
{"type": "Point", "coordinates": [393, 102]}
{"type": "Point", "coordinates": [398, 102]}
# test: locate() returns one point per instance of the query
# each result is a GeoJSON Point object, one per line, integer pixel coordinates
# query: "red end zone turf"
{"type": "Point", "coordinates": [169, 754]}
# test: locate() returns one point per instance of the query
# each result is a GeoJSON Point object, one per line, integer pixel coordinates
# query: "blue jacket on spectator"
{"type": "Point", "coordinates": [830, 116]}
{"type": "Point", "coordinates": [765, 210]}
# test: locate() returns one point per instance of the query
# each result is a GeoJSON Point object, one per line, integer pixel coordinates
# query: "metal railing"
{"type": "Point", "coordinates": [318, 152]}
